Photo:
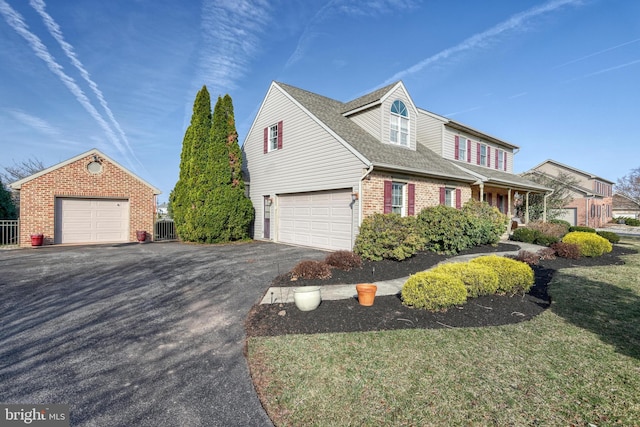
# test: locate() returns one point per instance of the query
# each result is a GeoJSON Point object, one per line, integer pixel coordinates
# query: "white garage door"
{"type": "Point", "coordinates": [91, 220]}
{"type": "Point", "coordinates": [567, 214]}
{"type": "Point", "coordinates": [320, 220]}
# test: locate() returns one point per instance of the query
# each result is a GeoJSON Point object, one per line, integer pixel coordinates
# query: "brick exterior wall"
{"type": "Point", "coordinates": [38, 197]}
{"type": "Point", "coordinates": [592, 217]}
{"type": "Point", "coordinates": [427, 192]}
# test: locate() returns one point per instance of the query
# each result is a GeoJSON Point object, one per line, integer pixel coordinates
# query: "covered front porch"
{"type": "Point", "coordinates": [506, 191]}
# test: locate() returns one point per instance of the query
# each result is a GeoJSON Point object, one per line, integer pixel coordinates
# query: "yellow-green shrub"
{"type": "Point", "coordinates": [478, 279]}
{"type": "Point", "coordinates": [513, 276]}
{"type": "Point", "coordinates": [433, 291]}
{"type": "Point", "coordinates": [590, 244]}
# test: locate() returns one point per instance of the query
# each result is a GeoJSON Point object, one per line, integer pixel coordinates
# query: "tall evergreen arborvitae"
{"type": "Point", "coordinates": [188, 195]}
{"type": "Point", "coordinates": [7, 207]}
{"type": "Point", "coordinates": [208, 202]}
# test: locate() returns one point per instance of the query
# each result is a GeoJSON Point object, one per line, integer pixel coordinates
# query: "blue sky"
{"type": "Point", "coordinates": [559, 78]}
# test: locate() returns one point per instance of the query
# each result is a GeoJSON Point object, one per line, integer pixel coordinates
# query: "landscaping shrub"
{"type": "Point", "coordinates": [582, 228]}
{"type": "Point", "coordinates": [550, 229]}
{"type": "Point", "coordinates": [590, 244]}
{"type": "Point", "coordinates": [525, 234]}
{"type": "Point", "coordinates": [433, 291]}
{"type": "Point", "coordinates": [344, 260]}
{"type": "Point", "coordinates": [545, 240]}
{"type": "Point", "coordinates": [566, 250]}
{"type": "Point", "coordinates": [388, 236]}
{"type": "Point", "coordinates": [565, 224]}
{"type": "Point", "coordinates": [513, 276]}
{"type": "Point", "coordinates": [528, 257]}
{"type": "Point", "coordinates": [628, 221]}
{"type": "Point", "coordinates": [444, 229]}
{"type": "Point", "coordinates": [547, 253]}
{"type": "Point", "coordinates": [609, 235]}
{"type": "Point", "coordinates": [309, 269]}
{"type": "Point", "coordinates": [478, 279]}
{"type": "Point", "coordinates": [486, 224]}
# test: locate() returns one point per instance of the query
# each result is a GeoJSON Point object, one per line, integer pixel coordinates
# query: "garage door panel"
{"type": "Point", "coordinates": [321, 220]}
{"type": "Point", "coordinates": [91, 220]}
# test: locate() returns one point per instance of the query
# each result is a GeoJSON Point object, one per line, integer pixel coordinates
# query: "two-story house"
{"type": "Point", "coordinates": [592, 202]}
{"type": "Point", "coordinates": [315, 166]}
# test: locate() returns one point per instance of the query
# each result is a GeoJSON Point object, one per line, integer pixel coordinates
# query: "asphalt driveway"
{"type": "Point", "coordinates": [136, 334]}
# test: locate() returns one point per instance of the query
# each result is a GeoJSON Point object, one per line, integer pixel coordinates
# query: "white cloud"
{"type": "Point", "coordinates": [231, 38]}
{"type": "Point", "coordinates": [369, 8]}
{"type": "Point", "coordinates": [36, 123]}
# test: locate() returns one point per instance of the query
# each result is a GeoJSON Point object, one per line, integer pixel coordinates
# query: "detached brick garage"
{"type": "Point", "coordinates": [87, 199]}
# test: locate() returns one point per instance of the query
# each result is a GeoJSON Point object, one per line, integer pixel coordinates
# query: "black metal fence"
{"type": "Point", "coordinates": [9, 232]}
{"type": "Point", "coordinates": [164, 229]}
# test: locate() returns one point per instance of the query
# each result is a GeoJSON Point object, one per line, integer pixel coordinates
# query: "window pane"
{"type": "Point", "coordinates": [397, 191]}
{"type": "Point", "coordinates": [273, 137]}
{"type": "Point", "coordinates": [448, 193]}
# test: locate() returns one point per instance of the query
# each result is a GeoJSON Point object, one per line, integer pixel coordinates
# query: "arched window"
{"type": "Point", "coordinates": [399, 129]}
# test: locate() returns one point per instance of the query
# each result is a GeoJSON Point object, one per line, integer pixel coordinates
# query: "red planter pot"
{"type": "Point", "coordinates": [37, 239]}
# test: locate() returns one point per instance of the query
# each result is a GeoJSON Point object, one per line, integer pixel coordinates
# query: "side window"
{"type": "Point", "coordinates": [399, 124]}
{"type": "Point", "coordinates": [273, 137]}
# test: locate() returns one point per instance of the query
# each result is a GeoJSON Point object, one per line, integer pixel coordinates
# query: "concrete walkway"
{"type": "Point", "coordinates": [277, 295]}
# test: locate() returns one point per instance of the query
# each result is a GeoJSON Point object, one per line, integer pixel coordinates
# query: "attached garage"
{"type": "Point", "coordinates": [91, 220]}
{"type": "Point", "coordinates": [87, 199]}
{"type": "Point", "coordinates": [568, 214]}
{"type": "Point", "coordinates": [320, 220]}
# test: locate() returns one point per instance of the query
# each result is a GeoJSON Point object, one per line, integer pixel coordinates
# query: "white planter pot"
{"type": "Point", "coordinates": [307, 298]}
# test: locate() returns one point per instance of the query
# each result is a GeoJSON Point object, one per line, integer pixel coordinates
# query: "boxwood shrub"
{"type": "Point", "coordinates": [388, 236]}
{"type": "Point", "coordinates": [444, 229]}
{"type": "Point", "coordinates": [486, 224]}
{"type": "Point", "coordinates": [525, 234]}
{"type": "Point", "coordinates": [590, 244]}
{"type": "Point", "coordinates": [609, 235]}
{"type": "Point", "coordinates": [433, 291]}
{"type": "Point", "coordinates": [513, 276]}
{"type": "Point", "coordinates": [582, 228]}
{"type": "Point", "coordinates": [478, 279]}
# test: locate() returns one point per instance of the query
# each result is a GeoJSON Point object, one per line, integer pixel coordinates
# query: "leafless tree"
{"type": "Point", "coordinates": [629, 185]}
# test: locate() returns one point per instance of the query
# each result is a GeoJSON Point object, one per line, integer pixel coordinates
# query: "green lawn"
{"type": "Point", "coordinates": [577, 363]}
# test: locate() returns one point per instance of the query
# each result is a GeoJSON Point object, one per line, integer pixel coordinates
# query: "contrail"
{"type": "Point", "coordinates": [56, 32]}
{"type": "Point", "coordinates": [480, 39]}
{"type": "Point", "coordinates": [596, 53]}
{"type": "Point", "coordinates": [15, 20]}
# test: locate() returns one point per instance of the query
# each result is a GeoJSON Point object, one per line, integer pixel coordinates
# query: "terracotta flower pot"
{"type": "Point", "coordinates": [141, 235]}
{"type": "Point", "coordinates": [366, 293]}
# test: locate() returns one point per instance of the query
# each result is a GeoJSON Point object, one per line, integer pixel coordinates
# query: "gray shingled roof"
{"type": "Point", "coordinates": [494, 176]}
{"type": "Point", "coordinates": [367, 99]}
{"type": "Point", "coordinates": [329, 111]}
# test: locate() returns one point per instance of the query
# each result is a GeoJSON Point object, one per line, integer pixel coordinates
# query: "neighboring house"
{"type": "Point", "coordinates": [87, 199]}
{"type": "Point", "coordinates": [163, 210]}
{"type": "Point", "coordinates": [592, 203]}
{"type": "Point", "coordinates": [315, 167]}
{"type": "Point", "coordinates": [624, 206]}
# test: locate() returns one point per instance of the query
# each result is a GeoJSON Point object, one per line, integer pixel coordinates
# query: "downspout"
{"type": "Point", "coordinates": [544, 206]}
{"type": "Point", "coordinates": [364, 176]}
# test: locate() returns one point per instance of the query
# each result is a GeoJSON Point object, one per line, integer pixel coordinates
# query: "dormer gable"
{"type": "Point", "coordinates": [388, 114]}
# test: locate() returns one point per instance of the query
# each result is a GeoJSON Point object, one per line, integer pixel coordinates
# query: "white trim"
{"type": "Point", "coordinates": [94, 151]}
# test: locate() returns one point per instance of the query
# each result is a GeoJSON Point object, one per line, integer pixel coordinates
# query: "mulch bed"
{"type": "Point", "coordinates": [388, 313]}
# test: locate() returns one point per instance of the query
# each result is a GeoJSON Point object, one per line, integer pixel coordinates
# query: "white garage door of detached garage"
{"type": "Point", "coordinates": [91, 220]}
{"type": "Point", "coordinates": [321, 220]}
